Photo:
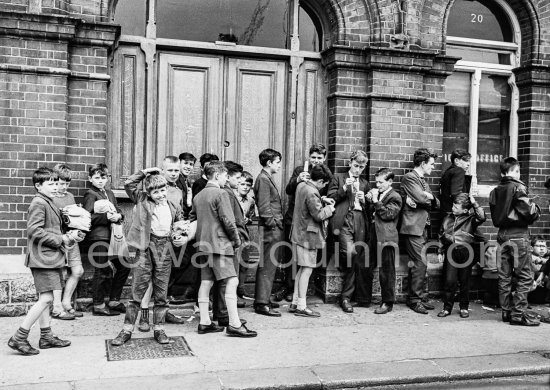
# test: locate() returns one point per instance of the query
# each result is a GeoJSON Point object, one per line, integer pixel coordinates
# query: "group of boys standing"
{"type": "Point", "coordinates": [362, 225]}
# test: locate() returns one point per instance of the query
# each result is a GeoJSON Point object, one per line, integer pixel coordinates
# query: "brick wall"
{"type": "Point", "coordinates": [53, 107]}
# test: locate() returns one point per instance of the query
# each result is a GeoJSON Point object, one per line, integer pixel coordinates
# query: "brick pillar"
{"type": "Point", "coordinates": [388, 102]}
{"type": "Point", "coordinates": [533, 82]}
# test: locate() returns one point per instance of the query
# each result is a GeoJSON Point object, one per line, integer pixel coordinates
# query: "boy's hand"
{"type": "Point", "coordinates": [429, 195]}
{"type": "Point", "coordinates": [326, 200]}
{"type": "Point", "coordinates": [149, 171]}
{"type": "Point", "coordinates": [349, 182]}
{"type": "Point", "coordinates": [180, 241]}
{"type": "Point", "coordinates": [77, 235]}
{"type": "Point", "coordinates": [304, 176]}
{"type": "Point", "coordinates": [331, 208]}
{"type": "Point", "coordinates": [360, 196]}
{"type": "Point", "coordinates": [539, 280]}
{"type": "Point", "coordinates": [113, 217]}
{"type": "Point", "coordinates": [411, 203]}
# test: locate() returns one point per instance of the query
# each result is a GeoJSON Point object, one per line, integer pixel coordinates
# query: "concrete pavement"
{"type": "Point", "coordinates": [337, 350]}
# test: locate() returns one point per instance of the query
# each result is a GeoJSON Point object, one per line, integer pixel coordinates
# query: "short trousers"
{"type": "Point", "coordinates": [305, 257]}
{"type": "Point", "coordinates": [217, 267]}
{"type": "Point", "coordinates": [73, 256]}
{"type": "Point", "coordinates": [47, 279]}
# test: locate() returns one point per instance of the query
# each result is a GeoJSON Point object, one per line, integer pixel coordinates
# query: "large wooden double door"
{"type": "Point", "coordinates": [236, 107]}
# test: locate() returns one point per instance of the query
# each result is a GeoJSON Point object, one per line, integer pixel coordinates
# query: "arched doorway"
{"type": "Point", "coordinates": [483, 98]}
{"type": "Point", "coordinates": [220, 76]}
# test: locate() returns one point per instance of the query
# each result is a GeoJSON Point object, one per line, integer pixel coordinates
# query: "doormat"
{"type": "Point", "coordinates": [139, 349]}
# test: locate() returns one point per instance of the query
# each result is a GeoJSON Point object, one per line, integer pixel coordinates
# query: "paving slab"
{"type": "Point", "coordinates": [472, 367]}
{"type": "Point", "coordinates": [203, 381]}
{"type": "Point", "coordinates": [270, 379]}
{"type": "Point", "coordinates": [375, 374]}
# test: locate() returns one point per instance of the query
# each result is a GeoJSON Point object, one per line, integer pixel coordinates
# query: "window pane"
{"type": "Point", "coordinates": [246, 22]}
{"type": "Point", "coordinates": [310, 38]}
{"type": "Point", "coordinates": [456, 121]}
{"type": "Point", "coordinates": [493, 127]}
{"type": "Point", "coordinates": [130, 14]}
{"type": "Point", "coordinates": [479, 55]}
{"type": "Point", "coordinates": [482, 19]}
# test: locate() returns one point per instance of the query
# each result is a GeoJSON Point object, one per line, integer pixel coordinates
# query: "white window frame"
{"type": "Point", "coordinates": [476, 69]}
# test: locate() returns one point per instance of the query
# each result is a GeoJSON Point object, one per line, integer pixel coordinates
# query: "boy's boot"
{"type": "Point", "coordinates": [48, 340]}
{"type": "Point", "coordinates": [161, 337]}
{"type": "Point", "coordinates": [122, 337]}
{"type": "Point", "coordinates": [20, 343]}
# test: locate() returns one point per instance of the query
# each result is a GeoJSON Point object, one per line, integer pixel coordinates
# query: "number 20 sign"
{"type": "Point", "coordinates": [476, 18]}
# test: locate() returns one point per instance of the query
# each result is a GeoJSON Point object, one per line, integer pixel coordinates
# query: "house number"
{"type": "Point", "coordinates": [477, 18]}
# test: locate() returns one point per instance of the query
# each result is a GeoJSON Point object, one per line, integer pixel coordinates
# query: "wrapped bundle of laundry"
{"type": "Point", "coordinates": [76, 217]}
{"type": "Point", "coordinates": [184, 228]}
{"type": "Point", "coordinates": [103, 206]}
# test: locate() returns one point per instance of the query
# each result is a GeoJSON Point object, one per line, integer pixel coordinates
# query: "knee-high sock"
{"type": "Point", "coordinates": [302, 286]}
{"type": "Point", "coordinates": [296, 282]}
{"type": "Point", "coordinates": [204, 300]}
{"type": "Point", "coordinates": [231, 302]}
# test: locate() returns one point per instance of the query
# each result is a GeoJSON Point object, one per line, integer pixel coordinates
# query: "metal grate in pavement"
{"type": "Point", "coordinates": [138, 349]}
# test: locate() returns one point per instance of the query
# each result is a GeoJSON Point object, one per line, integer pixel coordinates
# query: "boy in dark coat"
{"type": "Point", "coordinates": [512, 212]}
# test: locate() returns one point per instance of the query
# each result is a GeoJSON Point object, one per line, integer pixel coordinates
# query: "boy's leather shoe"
{"type": "Point", "coordinates": [307, 312]}
{"type": "Point", "coordinates": [104, 312]}
{"type": "Point", "coordinates": [266, 310]}
{"type": "Point", "coordinates": [52, 342]}
{"type": "Point", "coordinates": [212, 328]}
{"type": "Point", "coordinates": [243, 331]}
{"type": "Point", "coordinates": [419, 308]}
{"type": "Point", "coordinates": [444, 313]}
{"type": "Point", "coordinates": [464, 313]}
{"type": "Point", "coordinates": [525, 321]}
{"type": "Point", "coordinates": [383, 309]}
{"type": "Point", "coordinates": [122, 337]}
{"type": "Point", "coordinates": [23, 347]}
{"type": "Point", "coordinates": [144, 325]}
{"type": "Point", "coordinates": [292, 308]}
{"type": "Point", "coordinates": [279, 295]}
{"type": "Point", "coordinates": [118, 307]}
{"type": "Point", "coordinates": [174, 319]}
{"type": "Point", "coordinates": [346, 306]}
{"type": "Point", "coordinates": [428, 305]}
{"type": "Point", "coordinates": [506, 316]}
{"type": "Point", "coordinates": [160, 337]}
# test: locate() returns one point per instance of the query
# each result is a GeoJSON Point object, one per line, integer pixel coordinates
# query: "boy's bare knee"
{"type": "Point", "coordinates": [46, 298]}
{"type": "Point", "coordinates": [77, 272]}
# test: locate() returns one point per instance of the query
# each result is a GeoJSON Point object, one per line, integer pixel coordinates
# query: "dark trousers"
{"type": "Point", "coordinates": [384, 258]}
{"type": "Point", "coordinates": [417, 266]}
{"type": "Point", "coordinates": [457, 274]}
{"type": "Point", "coordinates": [184, 274]}
{"type": "Point", "coordinates": [105, 283]}
{"type": "Point", "coordinates": [269, 261]}
{"type": "Point", "coordinates": [153, 264]}
{"type": "Point", "coordinates": [517, 264]}
{"type": "Point", "coordinates": [357, 267]}
{"type": "Point", "coordinates": [286, 259]}
{"type": "Point", "coordinates": [244, 265]}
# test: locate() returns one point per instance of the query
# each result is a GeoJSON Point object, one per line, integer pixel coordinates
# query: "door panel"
{"type": "Point", "coordinates": [189, 104]}
{"type": "Point", "coordinates": [255, 111]}
{"type": "Point", "coordinates": [311, 112]}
